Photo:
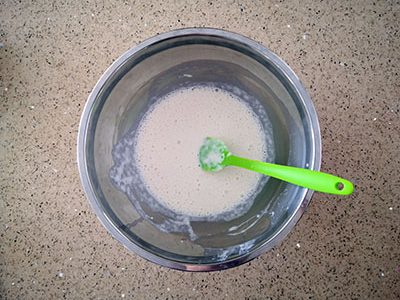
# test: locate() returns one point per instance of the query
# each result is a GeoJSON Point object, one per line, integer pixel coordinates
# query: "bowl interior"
{"type": "Point", "coordinates": [150, 72]}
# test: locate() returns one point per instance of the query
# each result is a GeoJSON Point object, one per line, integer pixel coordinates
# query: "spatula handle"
{"type": "Point", "coordinates": [317, 181]}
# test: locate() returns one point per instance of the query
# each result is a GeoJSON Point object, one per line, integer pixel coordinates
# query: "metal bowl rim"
{"type": "Point", "coordinates": [82, 137]}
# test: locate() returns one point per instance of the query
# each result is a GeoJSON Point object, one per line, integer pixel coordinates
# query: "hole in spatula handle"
{"type": "Point", "coordinates": [340, 186]}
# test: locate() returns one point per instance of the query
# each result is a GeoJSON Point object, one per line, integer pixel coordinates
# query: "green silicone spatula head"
{"type": "Point", "coordinates": [214, 156]}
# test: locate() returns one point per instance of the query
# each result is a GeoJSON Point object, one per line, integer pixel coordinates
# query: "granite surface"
{"type": "Point", "coordinates": [51, 55]}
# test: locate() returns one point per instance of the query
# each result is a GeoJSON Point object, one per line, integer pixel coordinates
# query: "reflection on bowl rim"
{"type": "Point", "coordinates": [278, 236]}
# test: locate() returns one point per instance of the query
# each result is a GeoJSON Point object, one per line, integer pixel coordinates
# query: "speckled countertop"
{"type": "Point", "coordinates": [52, 53]}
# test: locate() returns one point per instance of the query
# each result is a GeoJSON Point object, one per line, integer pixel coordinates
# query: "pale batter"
{"type": "Point", "coordinates": [168, 140]}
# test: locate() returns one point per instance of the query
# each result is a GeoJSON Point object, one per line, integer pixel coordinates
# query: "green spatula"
{"type": "Point", "coordinates": [214, 156]}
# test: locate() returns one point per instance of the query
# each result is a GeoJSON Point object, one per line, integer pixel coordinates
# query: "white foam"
{"type": "Point", "coordinates": [132, 177]}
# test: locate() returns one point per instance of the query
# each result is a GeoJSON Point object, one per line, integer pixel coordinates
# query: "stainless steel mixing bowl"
{"type": "Point", "coordinates": [189, 57]}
